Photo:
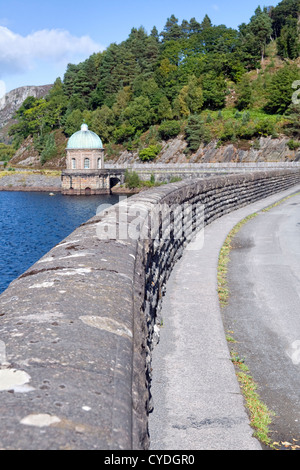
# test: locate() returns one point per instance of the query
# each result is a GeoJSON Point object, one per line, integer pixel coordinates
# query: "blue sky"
{"type": "Point", "coordinates": [39, 38]}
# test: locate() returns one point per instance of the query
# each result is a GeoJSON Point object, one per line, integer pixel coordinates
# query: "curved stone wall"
{"type": "Point", "coordinates": [78, 327]}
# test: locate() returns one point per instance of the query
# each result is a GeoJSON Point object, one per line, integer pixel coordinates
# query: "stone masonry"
{"type": "Point", "coordinates": [77, 328]}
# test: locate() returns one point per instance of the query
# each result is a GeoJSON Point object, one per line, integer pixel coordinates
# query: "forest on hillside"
{"type": "Point", "coordinates": [202, 80]}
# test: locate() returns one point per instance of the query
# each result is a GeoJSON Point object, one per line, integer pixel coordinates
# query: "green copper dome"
{"type": "Point", "coordinates": [84, 139]}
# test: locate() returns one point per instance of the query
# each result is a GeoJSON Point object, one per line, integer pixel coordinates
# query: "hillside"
{"type": "Point", "coordinates": [207, 85]}
{"type": "Point", "coordinates": [12, 101]}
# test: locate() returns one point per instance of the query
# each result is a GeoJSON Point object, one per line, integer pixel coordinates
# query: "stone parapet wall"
{"type": "Point", "coordinates": [78, 327]}
{"type": "Point", "coordinates": [166, 172]}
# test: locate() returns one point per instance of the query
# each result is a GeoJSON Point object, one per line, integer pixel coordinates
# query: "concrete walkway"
{"type": "Point", "coordinates": [197, 399]}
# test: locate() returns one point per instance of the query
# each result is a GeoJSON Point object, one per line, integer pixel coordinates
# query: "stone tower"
{"type": "Point", "coordinates": [85, 173]}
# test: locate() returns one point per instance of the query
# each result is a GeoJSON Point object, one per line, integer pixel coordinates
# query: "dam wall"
{"type": "Point", "coordinates": [78, 327]}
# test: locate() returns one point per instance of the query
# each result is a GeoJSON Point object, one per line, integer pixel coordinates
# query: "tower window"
{"type": "Point", "coordinates": [86, 163]}
{"type": "Point", "coordinates": [73, 163]}
{"type": "Point", "coordinates": [99, 162]}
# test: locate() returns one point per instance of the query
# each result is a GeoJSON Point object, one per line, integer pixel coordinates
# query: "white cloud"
{"type": "Point", "coordinates": [20, 53]}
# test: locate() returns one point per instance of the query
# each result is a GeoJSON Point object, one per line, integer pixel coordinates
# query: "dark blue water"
{"type": "Point", "coordinates": [33, 223]}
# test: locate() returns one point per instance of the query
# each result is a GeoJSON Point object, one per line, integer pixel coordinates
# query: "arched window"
{"type": "Point", "coordinates": [99, 163]}
{"type": "Point", "coordinates": [86, 163]}
{"type": "Point", "coordinates": [73, 163]}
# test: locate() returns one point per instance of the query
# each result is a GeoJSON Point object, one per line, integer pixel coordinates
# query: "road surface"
{"type": "Point", "coordinates": [264, 310]}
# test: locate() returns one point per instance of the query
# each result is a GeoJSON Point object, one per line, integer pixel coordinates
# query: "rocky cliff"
{"type": "Point", "coordinates": [11, 102]}
{"type": "Point", "coordinates": [265, 149]}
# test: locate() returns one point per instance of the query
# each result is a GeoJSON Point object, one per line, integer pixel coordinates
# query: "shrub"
{"type": "Point", "coordinates": [132, 179]}
{"type": "Point", "coordinates": [264, 127]}
{"type": "Point", "coordinates": [169, 129]}
{"type": "Point", "coordinates": [124, 132]}
{"type": "Point", "coordinates": [292, 145]}
{"type": "Point", "coordinates": [50, 149]}
{"type": "Point", "coordinates": [229, 132]}
{"type": "Point", "coordinates": [6, 152]}
{"type": "Point", "coordinates": [196, 132]}
{"type": "Point", "coordinates": [149, 153]}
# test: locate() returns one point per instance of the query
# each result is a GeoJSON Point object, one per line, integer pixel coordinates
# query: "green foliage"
{"type": "Point", "coordinates": [196, 132]}
{"type": "Point", "coordinates": [292, 145]}
{"type": "Point", "coordinates": [103, 122]}
{"type": "Point", "coordinates": [281, 13]}
{"type": "Point", "coordinates": [149, 153]}
{"type": "Point", "coordinates": [280, 91]}
{"type": "Point", "coordinates": [157, 80]}
{"type": "Point", "coordinates": [261, 27]}
{"type": "Point", "coordinates": [169, 129]}
{"type": "Point", "coordinates": [288, 45]}
{"type": "Point", "coordinates": [6, 152]}
{"type": "Point", "coordinates": [124, 132]}
{"type": "Point", "coordinates": [49, 150]}
{"type": "Point", "coordinates": [214, 88]}
{"type": "Point", "coordinates": [132, 179]}
{"type": "Point", "coordinates": [73, 122]}
{"type": "Point", "coordinates": [292, 126]}
{"type": "Point", "coordinates": [139, 113]}
{"type": "Point", "coordinates": [244, 92]}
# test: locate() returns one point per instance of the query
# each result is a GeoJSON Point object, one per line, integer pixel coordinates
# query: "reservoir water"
{"type": "Point", "coordinates": [31, 223]}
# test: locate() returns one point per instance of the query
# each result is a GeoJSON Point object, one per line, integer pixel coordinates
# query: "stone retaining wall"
{"type": "Point", "coordinates": [78, 327]}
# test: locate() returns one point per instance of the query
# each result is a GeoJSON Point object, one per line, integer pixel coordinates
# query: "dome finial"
{"type": "Point", "coordinates": [84, 126]}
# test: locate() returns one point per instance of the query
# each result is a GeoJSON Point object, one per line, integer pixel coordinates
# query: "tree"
{"type": "Point", "coordinates": [154, 33]}
{"type": "Point", "coordinates": [30, 118]}
{"type": "Point", "coordinates": [172, 30]}
{"type": "Point", "coordinates": [196, 132]}
{"type": "Point", "coordinates": [288, 46]}
{"type": "Point", "coordinates": [214, 88]}
{"type": "Point", "coordinates": [185, 29]}
{"type": "Point", "coordinates": [6, 152]}
{"type": "Point", "coordinates": [206, 23]}
{"type": "Point", "coordinates": [163, 109]}
{"type": "Point", "coordinates": [190, 98]}
{"type": "Point", "coordinates": [103, 122]}
{"type": "Point", "coordinates": [195, 27]}
{"type": "Point", "coordinates": [57, 103]}
{"type": "Point", "coordinates": [69, 79]}
{"type": "Point", "coordinates": [261, 27]}
{"type": "Point", "coordinates": [158, 101]}
{"type": "Point", "coordinates": [284, 10]}
{"type": "Point", "coordinates": [292, 127]}
{"type": "Point", "coordinates": [73, 122]}
{"type": "Point", "coordinates": [139, 113]}
{"type": "Point", "coordinates": [280, 90]}
{"type": "Point", "coordinates": [124, 132]}
{"type": "Point", "coordinates": [50, 149]}
{"type": "Point", "coordinates": [169, 129]}
{"type": "Point", "coordinates": [249, 50]}
{"type": "Point", "coordinates": [167, 78]}
{"type": "Point", "coordinates": [244, 92]}
{"type": "Point", "coordinates": [122, 100]}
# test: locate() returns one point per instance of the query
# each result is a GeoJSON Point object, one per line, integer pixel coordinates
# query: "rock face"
{"type": "Point", "coordinates": [11, 102]}
{"type": "Point", "coordinates": [265, 149]}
